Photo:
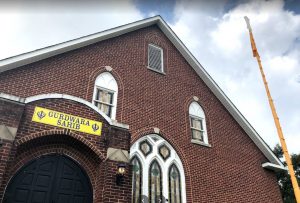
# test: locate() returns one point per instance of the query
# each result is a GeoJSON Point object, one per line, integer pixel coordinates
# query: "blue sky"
{"type": "Point", "coordinates": [214, 31]}
{"type": "Point", "coordinates": [292, 5]}
{"type": "Point", "coordinates": [166, 8]}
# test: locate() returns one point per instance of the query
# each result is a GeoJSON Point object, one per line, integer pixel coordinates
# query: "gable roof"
{"type": "Point", "coordinates": [40, 54]}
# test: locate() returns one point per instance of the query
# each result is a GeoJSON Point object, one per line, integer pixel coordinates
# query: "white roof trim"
{"type": "Point", "coordinates": [40, 54]}
{"type": "Point", "coordinates": [274, 167]}
{"type": "Point", "coordinates": [30, 57]}
{"type": "Point", "coordinates": [63, 96]}
{"type": "Point", "coordinates": [11, 98]}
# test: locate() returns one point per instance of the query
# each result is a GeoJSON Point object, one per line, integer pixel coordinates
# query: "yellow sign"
{"type": "Point", "coordinates": [59, 119]}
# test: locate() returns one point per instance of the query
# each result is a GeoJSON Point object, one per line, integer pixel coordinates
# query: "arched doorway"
{"type": "Point", "coordinates": [50, 178]}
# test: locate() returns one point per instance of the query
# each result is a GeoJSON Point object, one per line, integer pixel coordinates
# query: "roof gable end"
{"type": "Point", "coordinates": [40, 54]}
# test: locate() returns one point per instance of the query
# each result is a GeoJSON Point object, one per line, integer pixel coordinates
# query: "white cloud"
{"type": "Point", "coordinates": [282, 64]}
{"type": "Point", "coordinates": [221, 43]}
{"type": "Point", "coordinates": [25, 29]}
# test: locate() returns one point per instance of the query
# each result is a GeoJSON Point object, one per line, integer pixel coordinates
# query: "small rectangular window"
{"type": "Point", "coordinates": [155, 58]}
{"type": "Point", "coordinates": [104, 101]}
{"type": "Point", "coordinates": [197, 128]}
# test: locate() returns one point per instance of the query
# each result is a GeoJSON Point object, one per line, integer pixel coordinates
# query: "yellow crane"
{"type": "Point", "coordinates": [275, 116]}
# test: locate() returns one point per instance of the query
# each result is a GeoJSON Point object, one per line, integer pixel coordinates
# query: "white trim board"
{"type": "Point", "coordinates": [63, 96]}
{"type": "Point", "coordinates": [30, 57]}
{"type": "Point", "coordinates": [43, 53]}
{"type": "Point", "coordinates": [273, 167]}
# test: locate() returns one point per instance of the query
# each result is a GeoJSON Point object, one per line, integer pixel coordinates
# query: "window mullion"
{"type": "Point", "coordinates": [198, 129]}
{"type": "Point", "coordinates": [101, 102]}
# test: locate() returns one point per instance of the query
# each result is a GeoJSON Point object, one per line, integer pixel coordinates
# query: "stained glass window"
{"type": "Point", "coordinates": [150, 182]}
{"type": "Point", "coordinates": [155, 183]}
{"type": "Point", "coordinates": [136, 180]}
{"type": "Point", "coordinates": [164, 152]}
{"type": "Point", "coordinates": [145, 147]}
{"type": "Point", "coordinates": [174, 185]}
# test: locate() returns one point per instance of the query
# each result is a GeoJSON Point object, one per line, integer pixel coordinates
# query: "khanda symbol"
{"type": "Point", "coordinates": [41, 114]}
{"type": "Point", "coordinates": [95, 127]}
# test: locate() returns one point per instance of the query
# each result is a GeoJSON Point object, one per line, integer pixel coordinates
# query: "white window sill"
{"type": "Point", "coordinates": [200, 143]}
{"type": "Point", "coordinates": [157, 71]}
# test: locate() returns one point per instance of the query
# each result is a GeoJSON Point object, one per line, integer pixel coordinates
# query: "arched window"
{"type": "Point", "coordinates": [161, 168]}
{"type": "Point", "coordinates": [136, 180]}
{"type": "Point", "coordinates": [155, 183]}
{"type": "Point", "coordinates": [105, 94]}
{"type": "Point", "coordinates": [174, 185]}
{"type": "Point", "coordinates": [197, 123]}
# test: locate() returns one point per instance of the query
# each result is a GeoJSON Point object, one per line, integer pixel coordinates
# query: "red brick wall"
{"type": "Point", "coordinates": [35, 139]}
{"type": "Point", "coordinates": [10, 115]}
{"type": "Point", "coordinates": [229, 171]}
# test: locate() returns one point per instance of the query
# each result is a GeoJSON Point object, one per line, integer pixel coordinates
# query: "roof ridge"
{"type": "Point", "coordinates": [77, 38]}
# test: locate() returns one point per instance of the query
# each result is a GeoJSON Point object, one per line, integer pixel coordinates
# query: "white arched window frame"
{"type": "Point", "coordinates": [106, 94]}
{"type": "Point", "coordinates": [198, 124]}
{"type": "Point", "coordinates": [156, 142]}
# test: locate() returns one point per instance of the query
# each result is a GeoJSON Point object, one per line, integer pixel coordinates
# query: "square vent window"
{"type": "Point", "coordinates": [155, 58]}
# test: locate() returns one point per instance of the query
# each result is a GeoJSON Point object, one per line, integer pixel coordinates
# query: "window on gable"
{"type": "Point", "coordinates": [104, 100]}
{"type": "Point", "coordinates": [155, 58]}
{"type": "Point", "coordinates": [197, 123]}
{"type": "Point", "coordinates": [105, 94]}
{"type": "Point", "coordinates": [197, 128]}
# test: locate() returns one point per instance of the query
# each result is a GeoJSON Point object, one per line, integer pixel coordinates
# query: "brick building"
{"type": "Point", "coordinates": [74, 115]}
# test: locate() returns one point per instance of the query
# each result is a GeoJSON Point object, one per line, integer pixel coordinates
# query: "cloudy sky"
{"type": "Point", "coordinates": [214, 31]}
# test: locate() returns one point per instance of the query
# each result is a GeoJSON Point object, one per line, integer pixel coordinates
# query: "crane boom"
{"type": "Point", "coordinates": [275, 116]}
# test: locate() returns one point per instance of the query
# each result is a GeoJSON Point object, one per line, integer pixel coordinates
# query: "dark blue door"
{"type": "Point", "coordinates": [50, 179]}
